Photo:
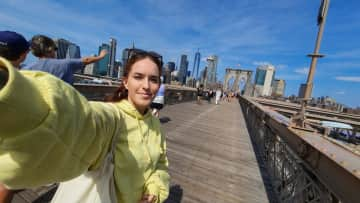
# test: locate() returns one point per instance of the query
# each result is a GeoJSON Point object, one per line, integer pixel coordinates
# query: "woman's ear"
{"type": "Point", "coordinates": [125, 82]}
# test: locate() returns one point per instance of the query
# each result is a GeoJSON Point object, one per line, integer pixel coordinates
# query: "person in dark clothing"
{"type": "Point", "coordinates": [14, 47]}
{"type": "Point", "coordinates": [199, 94]}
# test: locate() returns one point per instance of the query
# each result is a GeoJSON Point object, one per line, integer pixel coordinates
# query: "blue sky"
{"type": "Point", "coordinates": [243, 33]}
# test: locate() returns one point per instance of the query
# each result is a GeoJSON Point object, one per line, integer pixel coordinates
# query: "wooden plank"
{"type": "Point", "coordinates": [210, 154]}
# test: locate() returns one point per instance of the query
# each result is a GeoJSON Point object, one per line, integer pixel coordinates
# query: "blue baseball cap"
{"type": "Point", "coordinates": [15, 42]}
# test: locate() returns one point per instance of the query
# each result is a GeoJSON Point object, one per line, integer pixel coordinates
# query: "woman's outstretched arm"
{"type": "Point", "coordinates": [48, 131]}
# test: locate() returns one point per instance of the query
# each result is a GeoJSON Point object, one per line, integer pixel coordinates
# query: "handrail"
{"type": "Point", "coordinates": [330, 171]}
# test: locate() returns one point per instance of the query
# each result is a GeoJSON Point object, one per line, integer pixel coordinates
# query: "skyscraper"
{"type": "Point", "coordinates": [73, 51]}
{"type": "Point", "coordinates": [166, 73]}
{"type": "Point", "coordinates": [211, 69]}
{"type": "Point", "coordinates": [171, 66]}
{"type": "Point", "coordinates": [183, 69]}
{"type": "Point", "coordinates": [121, 69]}
{"type": "Point", "coordinates": [203, 75]}
{"type": "Point", "coordinates": [117, 69]}
{"type": "Point", "coordinates": [302, 91]}
{"type": "Point", "coordinates": [278, 88]}
{"type": "Point", "coordinates": [264, 78]}
{"type": "Point", "coordinates": [196, 65]}
{"type": "Point", "coordinates": [112, 54]}
{"type": "Point", "coordinates": [103, 63]}
{"type": "Point", "coordinates": [66, 49]}
{"type": "Point", "coordinates": [125, 56]}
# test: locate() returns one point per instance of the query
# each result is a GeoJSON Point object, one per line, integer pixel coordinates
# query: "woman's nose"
{"type": "Point", "coordinates": [146, 84]}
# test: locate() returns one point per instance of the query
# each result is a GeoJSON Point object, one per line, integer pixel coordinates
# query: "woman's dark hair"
{"type": "Point", "coordinates": [134, 55]}
{"type": "Point", "coordinates": [42, 45]}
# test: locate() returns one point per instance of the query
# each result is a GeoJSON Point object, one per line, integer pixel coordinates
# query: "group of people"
{"type": "Point", "coordinates": [14, 47]}
{"type": "Point", "coordinates": [50, 133]}
{"type": "Point", "coordinates": [208, 95]}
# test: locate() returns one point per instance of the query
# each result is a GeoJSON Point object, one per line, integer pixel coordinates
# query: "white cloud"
{"type": "Point", "coordinates": [340, 65]}
{"type": "Point", "coordinates": [348, 54]}
{"type": "Point", "coordinates": [348, 78]}
{"type": "Point", "coordinates": [302, 71]}
{"type": "Point", "coordinates": [292, 77]}
{"type": "Point", "coordinates": [261, 63]}
{"type": "Point", "coordinates": [281, 66]}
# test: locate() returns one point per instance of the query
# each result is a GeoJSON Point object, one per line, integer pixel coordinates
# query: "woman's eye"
{"type": "Point", "coordinates": [137, 77]}
{"type": "Point", "coordinates": [154, 80]}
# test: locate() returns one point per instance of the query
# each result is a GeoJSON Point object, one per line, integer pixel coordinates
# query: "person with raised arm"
{"type": "Point", "coordinates": [45, 49]}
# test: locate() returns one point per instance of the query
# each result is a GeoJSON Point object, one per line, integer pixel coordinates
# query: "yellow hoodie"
{"type": "Point", "coordinates": [50, 133]}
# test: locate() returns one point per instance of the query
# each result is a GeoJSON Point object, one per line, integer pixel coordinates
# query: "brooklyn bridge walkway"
{"type": "Point", "coordinates": [211, 155]}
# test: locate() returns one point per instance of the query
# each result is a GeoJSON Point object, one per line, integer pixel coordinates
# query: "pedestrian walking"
{"type": "Point", "coordinates": [217, 96]}
{"type": "Point", "coordinates": [159, 100]}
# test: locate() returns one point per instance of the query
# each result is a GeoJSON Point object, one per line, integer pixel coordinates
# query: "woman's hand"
{"type": "Point", "coordinates": [148, 199]}
{"type": "Point", "coordinates": [4, 77]}
{"type": "Point", "coordinates": [5, 194]}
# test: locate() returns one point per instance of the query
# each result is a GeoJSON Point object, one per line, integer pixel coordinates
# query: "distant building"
{"type": "Point", "coordinates": [190, 82]}
{"type": "Point", "coordinates": [103, 64]}
{"type": "Point", "coordinates": [339, 107]}
{"type": "Point", "coordinates": [301, 93]}
{"type": "Point", "coordinates": [125, 55]}
{"type": "Point", "coordinates": [203, 75]}
{"type": "Point", "coordinates": [91, 69]}
{"type": "Point", "coordinates": [327, 103]}
{"type": "Point", "coordinates": [278, 88]}
{"type": "Point", "coordinates": [264, 78]}
{"type": "Point", "coordinates": [196, 65]}
{"type": "Point", "coordinates": [166, 74]}
{"type": "Point", "coordinates": [183, 69]}
{"type": "Point", "coordinates": [211, 69]}
{"type": "Point", "coordinates": [112, 55]}
{"type": "Point", "coordinates": [352, 110]}
{"type": "Point", "coordinates": [174, 76]}
{"type": "Point", "coordinates": [73, 51]}
{"type": "Point", "coordinates": [171, 66]}
{"type": "Point", "coordinates": [118, 71]}
{"type": "Point", "coordinates": [66, 49]}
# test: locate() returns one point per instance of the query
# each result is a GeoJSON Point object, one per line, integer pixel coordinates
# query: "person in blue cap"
{"type": "Point", "coordinates": [45, 49]}
{"type": "Point", "coordinates": [13, 47]}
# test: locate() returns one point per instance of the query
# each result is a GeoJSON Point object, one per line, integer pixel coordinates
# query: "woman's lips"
{"type": "Point", "coordinates": [146, 95]}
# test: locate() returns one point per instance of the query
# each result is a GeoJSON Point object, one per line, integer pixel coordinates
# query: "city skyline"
{"type": "Point", "coordinates": [279, 32]}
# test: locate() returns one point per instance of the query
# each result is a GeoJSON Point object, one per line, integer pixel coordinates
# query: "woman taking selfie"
{"type": "Point", "coordinates": [50, 133]}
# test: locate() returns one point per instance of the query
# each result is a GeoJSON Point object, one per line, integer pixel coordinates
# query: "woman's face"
{"type": "Point", "coordinates": [142, 83]}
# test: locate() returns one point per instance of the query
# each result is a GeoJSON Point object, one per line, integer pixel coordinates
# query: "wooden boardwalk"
{"type": "Point", "coordinates": [210, 153]}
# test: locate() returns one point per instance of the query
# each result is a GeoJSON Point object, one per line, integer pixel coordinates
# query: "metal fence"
{"type": "Point", "coordinates": [291, 179]}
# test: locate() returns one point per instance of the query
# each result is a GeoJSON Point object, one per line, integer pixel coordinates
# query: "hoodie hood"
{"type": "Point", "coordinates": [130, 110]}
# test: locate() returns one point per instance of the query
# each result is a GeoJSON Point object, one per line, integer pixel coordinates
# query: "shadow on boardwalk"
{"type": "Point", "coordinates": [175, 195]}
